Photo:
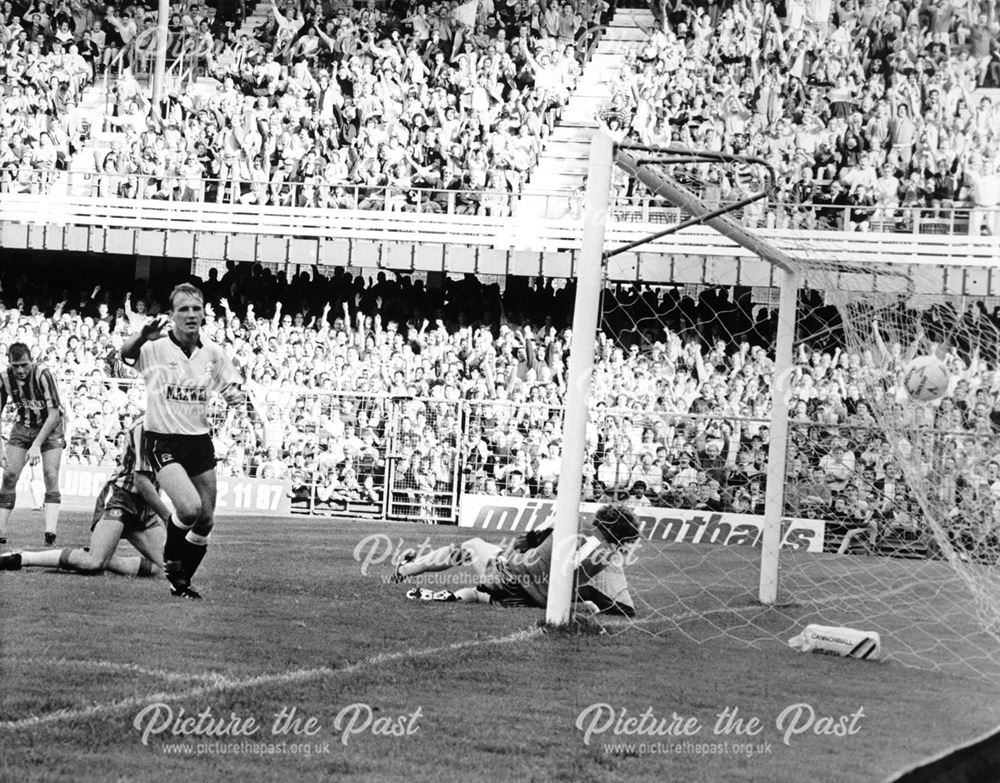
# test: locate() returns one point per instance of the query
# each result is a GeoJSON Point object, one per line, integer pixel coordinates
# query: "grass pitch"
{"type": "Point", "coordinates": [371, 687]}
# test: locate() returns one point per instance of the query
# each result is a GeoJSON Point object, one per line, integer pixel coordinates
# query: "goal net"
{"type": "Point", "coordinates": [889, 504]}
{"type": "Point", "coordinates": [927, 386]}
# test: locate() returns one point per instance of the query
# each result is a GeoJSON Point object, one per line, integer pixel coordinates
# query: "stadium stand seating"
{"type": "Point", "coordinates": [310, 102]}
{"type": "Point", "coordinates": [889, 111]}
{"type": "Point", "coordinates": [883, 122]}
{"type": "Point", "coordinates": [348, 374]}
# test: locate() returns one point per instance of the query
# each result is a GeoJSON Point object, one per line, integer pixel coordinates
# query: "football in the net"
{"type": "Point", "coordinates": [926, 378]}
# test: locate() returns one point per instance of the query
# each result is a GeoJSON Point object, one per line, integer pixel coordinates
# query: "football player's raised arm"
{"type": "Point", "coordinates": [133, 344]}
{"type": "Point", "coordinates": [879, 342]}
{"type": "Point", "coordinates": [228, 380]}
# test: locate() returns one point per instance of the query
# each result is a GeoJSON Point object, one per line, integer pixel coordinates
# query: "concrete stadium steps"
{"type": "Point", "coordinates": [606, 64]}
{"type": "Point", "coordinates": [91, 108]}
{"type": "Point", "coordinates": [562, 165]}
{"type": "Point", "coordinates": [258, 14]}
{"type": "Point", "coordinates": [571, 135]}
{"type": "Point", "coordinates": [557, 182]}
{"type": "Point", "coordinates": [203, 87]}
{"type": "Point", "coordinates": [639, 19]}
{"type": "Point", "coordinates": [618, 38]}
{"type": "Point", "coordinates": [582, 115]}
{"type": "Point", "coordinates": [590, 92]}
{"type": "Point", "coordinates": [261, 12]}
{"type": "Point", "coordinates": [94, 103]}
{"type": "Point", "coordinates": [88, 162]}
{"type": "Point", "coordinates": [570, 150]}
{"type": "Point", "coordinates": [607, 48]}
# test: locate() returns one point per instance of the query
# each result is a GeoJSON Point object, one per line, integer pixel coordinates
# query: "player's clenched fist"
{"type": "Point", "coordinates": [234, 395]}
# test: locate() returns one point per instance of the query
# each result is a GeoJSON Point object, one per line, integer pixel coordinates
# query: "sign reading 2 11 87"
{"type": "Point", "coordinates": [253, 495]}
{"type": "Point", "coordinates": [81, 484]}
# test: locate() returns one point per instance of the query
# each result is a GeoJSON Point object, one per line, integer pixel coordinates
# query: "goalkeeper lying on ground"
{"type": "Point", "coordinates": [519, 576]}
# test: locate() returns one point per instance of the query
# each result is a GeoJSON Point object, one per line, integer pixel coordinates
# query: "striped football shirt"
{"type": "Point", "coordinates": [178, 385]}
{"type": "Point", "coordinates": [132, 461]}
{"type": "Point", "coordinates": [31, 398]}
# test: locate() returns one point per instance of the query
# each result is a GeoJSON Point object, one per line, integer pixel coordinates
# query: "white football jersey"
{"type": "Point", "coordinates": [178, 385]}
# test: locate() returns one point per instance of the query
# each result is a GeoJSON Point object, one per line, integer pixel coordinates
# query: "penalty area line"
{"type": "Point", "coordinates": [283, 678]}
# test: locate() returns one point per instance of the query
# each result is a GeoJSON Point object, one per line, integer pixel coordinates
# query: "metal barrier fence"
{"type": "Point", "coordinates": [336, 443]}
{"type": "Point", "coordinates": [633, 456]}
{"type": "Point", "coordinates": [423, 461]}
{"type": "Point", "coordinates": [356, 454]}
{"type": "Point", "coordinates": [344, 454]}
{"type": "Point", "coordinates": [255, 189]}
{"type": "Point", "coordinates": [957, 218]}
{"type": "Point", "coordinates": [852, 475]}
{"type": "Point", "coordinates": [238, 185]}
{"type": "Point", "coordinates": [847, 475]}
{"type": "Point", "coordinates": [406, 458]}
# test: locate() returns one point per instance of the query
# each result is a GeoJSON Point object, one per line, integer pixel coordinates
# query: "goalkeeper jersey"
{"type": "Point", "coordinates": [528, 572]}
{"type": "Point", "coordinates": [524, 576]}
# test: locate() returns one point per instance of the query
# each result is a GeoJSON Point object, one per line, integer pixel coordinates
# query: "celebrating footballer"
{"type": "Point", "coordinates": [180, 371]}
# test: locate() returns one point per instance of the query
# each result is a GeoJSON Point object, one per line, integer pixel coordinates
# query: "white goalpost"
{"type": "Point", "coordinates": [586, 311]}
{"type": "Point", "coordinates": [770, 550]}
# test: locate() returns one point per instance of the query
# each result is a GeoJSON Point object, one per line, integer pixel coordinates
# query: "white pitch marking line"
{"type": "Point", "coordinates": [123, 705]}
{"type": "Point", "coordinates": [162, 674]}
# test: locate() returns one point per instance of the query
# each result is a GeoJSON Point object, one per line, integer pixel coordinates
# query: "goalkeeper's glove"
{"type": "Point", "coordinates": [532, 539]}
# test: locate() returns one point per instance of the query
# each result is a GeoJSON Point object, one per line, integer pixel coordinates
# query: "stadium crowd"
{"type": "Point", "coordinates": [323, 98]}
{"type": "Point", "coordinates": [865, 109]}
{"type": "Point", "coordinates": [460, 388]}
{"type": "Point", "coordinates": [863, 105]}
